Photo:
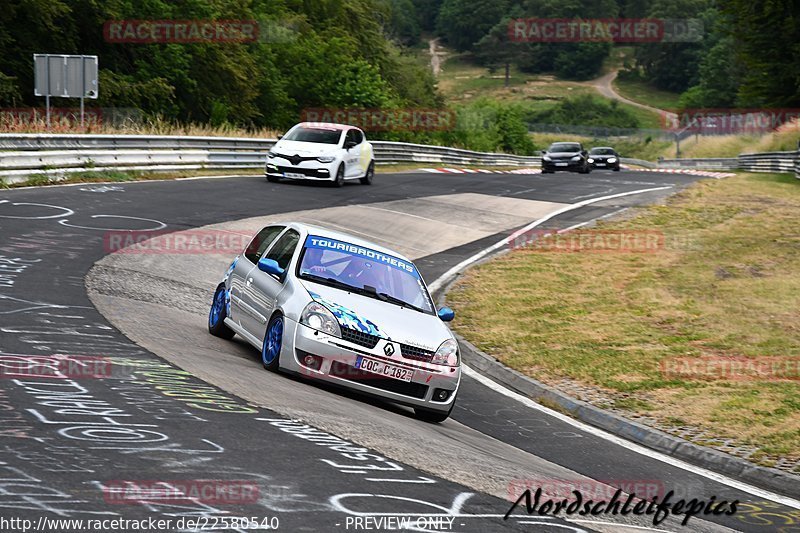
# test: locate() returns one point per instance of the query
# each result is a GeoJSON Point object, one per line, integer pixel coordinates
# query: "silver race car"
{"type": "Point", "coordinates": [336, 308]}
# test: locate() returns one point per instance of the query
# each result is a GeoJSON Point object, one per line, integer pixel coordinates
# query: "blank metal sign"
{"type": "Point", "coordinates": [65, 76]}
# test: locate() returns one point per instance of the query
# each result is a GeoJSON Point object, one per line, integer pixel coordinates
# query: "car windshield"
{"type": "Point", "coordinates": [564, 147]}
{"type": "Point", "coordinates": [602, 151]}
{"type": "Point", "coordinates": [368, 272]}
{"type": "Point", "coordinates": [314, 135]}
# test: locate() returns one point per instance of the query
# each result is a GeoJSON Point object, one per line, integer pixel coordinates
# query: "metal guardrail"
{"type": "Point", "coordinates": [23, 155]}
{"type": "Point", "coordinates": [638, 162]}
{"type": "Point", "coordinates": [710, 163]}
{"type": "Point", "coordinates": [30, 154]}
{"type": "Point", "coordinates": [771, 162]}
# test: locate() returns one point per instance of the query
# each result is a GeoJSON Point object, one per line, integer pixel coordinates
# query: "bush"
{"type": "Point", "coordinates": [587, 110]}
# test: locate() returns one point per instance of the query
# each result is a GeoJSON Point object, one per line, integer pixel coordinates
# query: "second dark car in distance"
{"type": "Point", "coordinates": [604, 157]}
{"type": "Point", "coordinates": [568, 156]}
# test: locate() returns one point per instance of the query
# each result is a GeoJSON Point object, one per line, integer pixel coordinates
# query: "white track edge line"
{"type": "Point", "coordinates": [437, 284]}
{"type": "Point", "coordinates": [632, 446]}
{"type": "Point", "coordinates": [647, 452]}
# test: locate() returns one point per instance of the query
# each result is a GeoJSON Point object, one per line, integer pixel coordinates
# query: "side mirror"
{"type": "Point", "coordinates": [280, 137]}
{"type": "Point", "coordinates": [270, 266]}
{"type": "Point", "coordinates": [349, 144]}
{"type": "Point", "coordinates": [446, 314]}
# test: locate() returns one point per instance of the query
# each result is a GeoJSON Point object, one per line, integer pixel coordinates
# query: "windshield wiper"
{"type": "Point", "coordinates": [389, 298]}
{"type": "Point", "coordinates": [330, 281]}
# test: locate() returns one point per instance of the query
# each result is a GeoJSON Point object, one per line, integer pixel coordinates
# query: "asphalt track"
{"type": "Point", "coordinates": [66, 444]}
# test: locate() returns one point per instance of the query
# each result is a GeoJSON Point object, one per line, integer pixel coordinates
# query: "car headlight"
{"type": "Point", "coordinates": [317, 316]}
{"type": "Point", "coordinates": [447, 354]}
{"type": "Point", "coordinates": [546, 157]}
{"type": "Point", "coordinates": [576, 158]}
{"type": "Point", "coordinates": [591, 160]}
{"type": "Point", "coordinates": [612, 159]}
{"type": "Point", "coordinates": [326, 158]}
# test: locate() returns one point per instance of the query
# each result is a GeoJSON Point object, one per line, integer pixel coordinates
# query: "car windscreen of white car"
{"type": "Point", "coordinates": [364, 271]}
{"type": "Point", "coordinates": [314, 135]}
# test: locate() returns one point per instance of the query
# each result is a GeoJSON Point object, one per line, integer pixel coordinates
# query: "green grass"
{"type": "Point", "coordinates": [724, 285]}
{"type": "Point", "coordinates": [647, 119]}
{"type": "Point", "coordinates": [644, 93]}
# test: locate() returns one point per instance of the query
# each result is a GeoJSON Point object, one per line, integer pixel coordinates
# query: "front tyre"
{"type": "Point", "coordinates": [273, 179]}
{"type": "Point", "coordinates": [217, 314]}
{"type": "Point", "coordinates": [367, 179]}
{"type": "Point", "coordinates": [339, 180]}
{"type": "Point", "coordinates": [273, 341]}
{"type": "Point", "coordinates": [431, 416]}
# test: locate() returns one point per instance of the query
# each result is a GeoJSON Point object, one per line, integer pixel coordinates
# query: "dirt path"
{"type": "Point", "coordinates": [436, 57]}
{"type": "Point", "coordinates": [605, 86]}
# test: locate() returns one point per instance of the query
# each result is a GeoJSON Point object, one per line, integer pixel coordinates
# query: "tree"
{"type": "Point", "coordinates": [767, 46]}
{"type": "Point", "coordinates": [463, 23]}
{"type": "Point", "coordinates": [495, 49]}
{"type": "Point", "coordinates": [720, 77]}
{"type": "Point", "coordinates": [672, 66]}
{"type": "Point", "coordinates": [403, 22]}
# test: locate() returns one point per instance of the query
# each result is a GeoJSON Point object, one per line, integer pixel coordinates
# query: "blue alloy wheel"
{"type": "Point", "coordinates": [270, 353]}
{"type": "Point", "coordinates": [217, 314]}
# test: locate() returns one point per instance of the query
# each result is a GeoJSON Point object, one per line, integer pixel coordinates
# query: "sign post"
{"type": "Point", "coordinates": [65, 76]}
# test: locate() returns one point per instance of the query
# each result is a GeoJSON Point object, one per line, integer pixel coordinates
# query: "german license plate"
{"type": "Point", "coordinates": [382, 369]}
{"type": "Point", "coordinates": [294, 175]}
{"type": "Point", "coordinates": [561, 164]}
{"type": "Point", "coordinates": [600, 164]}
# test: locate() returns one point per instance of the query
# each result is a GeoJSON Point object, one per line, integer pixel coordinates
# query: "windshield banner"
{"type": "Point", "coordinates": [324, 243]}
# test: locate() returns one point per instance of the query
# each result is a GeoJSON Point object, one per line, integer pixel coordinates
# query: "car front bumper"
{"type": "Point", "coordinates": [605, 164]}
{"type": "Point", "coordinates": [305, 170]}
{"type": "Point", "coordinates": [562, 165]}
{"type": "Point", "coordinates": [335, 363]}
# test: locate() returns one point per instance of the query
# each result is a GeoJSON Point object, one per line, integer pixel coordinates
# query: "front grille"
{"type": "Point", "coordinates": [356, 375]}
{"type": "Point", "coordinates": [295, 159]}
{"type": "Point", "coordinates": [362, 339]}
{"type": "Point", "coordinates": [418, 354]}
{"type": "Point", "coordinates": [296, 170]}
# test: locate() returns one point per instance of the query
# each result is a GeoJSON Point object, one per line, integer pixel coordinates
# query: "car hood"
{"type": "Point", "coordinates": [385, 320]}
{"type": "Point", "coordinates": [602, 156]}
{"type": "Point", "coordinates": [304, 148]}
{"type": "Point", "coordinates": [562, 154]}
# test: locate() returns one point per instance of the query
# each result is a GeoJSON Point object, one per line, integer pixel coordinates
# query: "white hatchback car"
{"type": "Point", "coordinates": [323, 152]}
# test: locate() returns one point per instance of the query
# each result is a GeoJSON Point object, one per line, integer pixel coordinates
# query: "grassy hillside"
{"type": "Point", "coordinates": [461, 80]}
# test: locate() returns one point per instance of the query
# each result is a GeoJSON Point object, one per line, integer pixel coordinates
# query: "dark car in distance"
{"type": "Point", "coordinates": [604, 157]}
{"type": "Point", "coordinates": [568, 156]}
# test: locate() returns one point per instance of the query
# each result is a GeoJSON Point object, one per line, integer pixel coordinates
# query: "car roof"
{"type": "Point", "coordinates": [329, 125]}
{"type": "Point", "coordinates": [319, 231]}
